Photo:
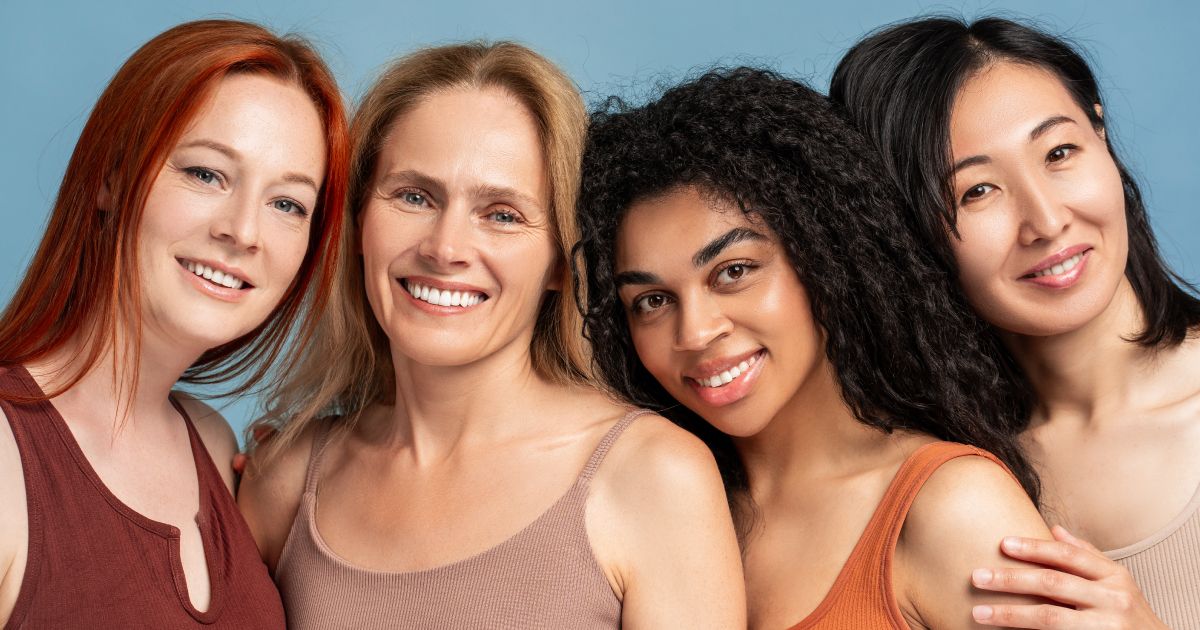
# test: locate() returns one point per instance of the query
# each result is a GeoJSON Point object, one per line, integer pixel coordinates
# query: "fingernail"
{"type": "Point", "coordinates": [1011, 543]}
{"type": "Point", "coordinates": [981, 576]}
{"type": "Point", "coordinates": [981, 613]}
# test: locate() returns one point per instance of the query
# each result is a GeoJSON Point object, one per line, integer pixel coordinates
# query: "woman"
{"type": "Point", "coordinates": [745, 260]}
{"type": "Point", "coordinates": [470, 476]}
{"type": "Point", "coordinates": [1012, 179]}
{"type": "Point", "coordinates": [192, 231]}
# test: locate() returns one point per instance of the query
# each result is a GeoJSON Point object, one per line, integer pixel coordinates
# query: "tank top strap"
{"type": "Point", "coordinates": [606, 443]}
{"type": "Point", "coordinates": [320, 439]}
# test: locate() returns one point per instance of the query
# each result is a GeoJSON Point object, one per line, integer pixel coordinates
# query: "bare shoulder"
{"type": "Point", "coordinates": [955, 525]}
{"type": "Point", "coordinates": [660, 527]}
{"type": "Point", "coordinates": [271, 489]}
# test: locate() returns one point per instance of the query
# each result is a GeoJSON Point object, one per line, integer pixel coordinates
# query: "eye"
{"type": "Point", "coordinates": [203, 175]}
{"type": "Point", "coordinates": [1060, 153]}
{"type": "Point", "coordinates": [290, 207]}
{"type": "Point", "coordinates": [977, 191]}
{"type": "Point", "coordinates": [504, 216]}
{"type": "Point", "coordinates": [649, 303]}
{"type": "Point", "coordinates": [412, 197]}
{"type": "Point", "coordinates": [732, 273]}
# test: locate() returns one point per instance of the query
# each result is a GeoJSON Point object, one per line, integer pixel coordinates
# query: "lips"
{"type": "Point", "coordinates": [1060, 271]}
{"type": "Point", "coordinates": [215, 274]}
{"type": "Point", "coordinates": [442, 295]}
{"type": "Point", "coordinates": [726, 381]}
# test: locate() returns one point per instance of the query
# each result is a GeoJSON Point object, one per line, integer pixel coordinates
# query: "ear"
{"type": "Point", "coordinates": [1100, 114]}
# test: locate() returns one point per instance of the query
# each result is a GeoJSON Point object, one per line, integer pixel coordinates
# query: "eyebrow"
{"type": "Point", "coordinates": [233, 154]}
{"type": "Point", "coordinates": [635, 277]}
{"type": "Point", "coordinates": [1048, 124]}
{"type": "Point", "coordinates": [715, 246]}
{"type": "Point", "coordinates": [505, 192]}
{"type": "Point", "coordinates": [1041, 128]}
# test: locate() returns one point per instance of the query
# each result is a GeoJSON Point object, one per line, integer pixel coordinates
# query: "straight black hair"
{"type": "Point", "coordinates": [898, 85]}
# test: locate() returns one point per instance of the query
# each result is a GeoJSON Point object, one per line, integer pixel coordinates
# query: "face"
{"type": "Point", "coordinates": [226, 223]}
{"type": "Point", "coordinates": [1041, 209]}
{"type": "Point", "coordinates": [717, 313]}
{"type": "Point", "coordinates": [457, 248]}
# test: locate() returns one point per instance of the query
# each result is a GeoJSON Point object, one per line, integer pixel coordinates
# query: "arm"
{"type": "Point", "coordinates": [14, 521]}
{"type": "Point", "coordinates": [660, 527]}
{"type": "Point", "coordinates": [1087, 589]}
{"type": "Point", "coordinates": [963, 509]}
{"type": "Point", "coordinates": [215, 432]}
{"type": "Point", "coordinates": [270, 495]}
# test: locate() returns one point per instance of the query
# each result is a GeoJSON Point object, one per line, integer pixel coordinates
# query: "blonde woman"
{"type": "Point", "coordinates": [442, 460]}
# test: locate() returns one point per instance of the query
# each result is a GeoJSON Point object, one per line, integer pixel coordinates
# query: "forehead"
{"type": "Point", "coordinates": [1005, 101]}
{"type": "Point", "coordinates": [467, 132]}
{"type": "Point", "coordinates": [672, 227]}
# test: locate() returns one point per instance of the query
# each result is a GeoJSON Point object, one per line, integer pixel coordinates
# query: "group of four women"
{"type": "Point", "coordinates": [745, 354]}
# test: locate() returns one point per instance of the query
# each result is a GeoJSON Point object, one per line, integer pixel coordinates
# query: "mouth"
{"type": "Point", "coordinates": [728, 375]}
{"type": "Point", "coordinates": [1058, 268]}
{"type": "Point", "coordinates": [723, 383]}
{"type": "Point", "coordinates": [215, 277]}
{"type": "Point", "coordinates": [445, 296]}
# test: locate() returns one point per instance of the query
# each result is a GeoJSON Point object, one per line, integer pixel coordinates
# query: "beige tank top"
{"type": "Point", "coordinates": [1166, 566]}
{"type": "Point", "coordinates": [544, 576]}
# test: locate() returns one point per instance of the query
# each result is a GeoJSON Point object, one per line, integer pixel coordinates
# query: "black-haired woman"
{"type": "Point", "coordinates": [745, 258]}
{"type": "Point", "coordinates": [995, 133]}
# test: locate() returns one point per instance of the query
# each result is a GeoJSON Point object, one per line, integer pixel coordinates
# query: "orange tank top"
{"type": "Point", "coordinates": [861, 597]}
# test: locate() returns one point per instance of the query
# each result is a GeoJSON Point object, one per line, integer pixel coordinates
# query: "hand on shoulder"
{"type": "Point", "coordinates": [660, 526]}
{"type": "Point", "coordinates": [953, 527]}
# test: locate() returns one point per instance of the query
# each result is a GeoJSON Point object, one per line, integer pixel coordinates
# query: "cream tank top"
{"type": "Point", "coordinates": [544, 576]}
{"type": "Point", "coordinates": [1166, 566]}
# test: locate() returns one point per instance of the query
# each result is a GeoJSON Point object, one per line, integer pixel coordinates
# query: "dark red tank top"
{"type": "Point", "coordinates": [95, 563]}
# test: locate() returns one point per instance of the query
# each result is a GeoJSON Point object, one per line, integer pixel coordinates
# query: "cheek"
{"type": "Point", "coordinates": [984, 242]}
{"type": "Point", "coordinates": [652, 344]}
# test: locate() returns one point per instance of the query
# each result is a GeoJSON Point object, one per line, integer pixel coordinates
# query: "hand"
{"type": "Point", "coordinates": [1086, 589]}
{"type": "Point", "coordinates": [262, 435]}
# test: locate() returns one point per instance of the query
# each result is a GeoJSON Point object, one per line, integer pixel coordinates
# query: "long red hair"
{"type": "Point", "coordinates": [83, 281]}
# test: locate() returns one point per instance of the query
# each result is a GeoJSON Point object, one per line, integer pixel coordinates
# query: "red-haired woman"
{"type": "Point", "coordinates": [192, 236]}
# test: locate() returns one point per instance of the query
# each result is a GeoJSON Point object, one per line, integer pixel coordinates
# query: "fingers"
{"type": "Point", "coordinates": [1046, 583]}
{"type": "Point", "coordinates": [1060, 533]}
{"type": "Point", "coordinates": [1044, 616]}
{"type": "Point", "coordinates": [1065, 556]}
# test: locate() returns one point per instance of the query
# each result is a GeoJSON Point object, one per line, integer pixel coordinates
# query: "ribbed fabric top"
{"type": "Point", "coordinates": [93, 562]}
{"type": "Point", "coordinates": [861, 597]}
{"type": "Point", "coordinates": [544, 576]}
{"type": "Point", "coordinates": [1166, 566]}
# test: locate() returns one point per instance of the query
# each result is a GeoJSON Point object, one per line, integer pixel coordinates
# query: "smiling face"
{"type": "Point", "coordinates": [1041, 209]}
{"type": "Point", "coordinates": [457, 246]}
{"type": "Point", "coordinates": [226, 221]}
{"type": "Point", "coordinates": [717, 313]}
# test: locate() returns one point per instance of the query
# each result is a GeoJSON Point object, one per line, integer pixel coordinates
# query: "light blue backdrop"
{"type": "Point", "coordinates": [56, 57]}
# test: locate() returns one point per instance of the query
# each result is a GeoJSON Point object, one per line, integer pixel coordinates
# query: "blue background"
{"type": "Point", "coordinates": [56, 57]}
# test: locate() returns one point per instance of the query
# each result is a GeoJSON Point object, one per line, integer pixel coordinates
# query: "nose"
{"type": "Point", "coordinates": [701, 322]}
{"type": "Point", "coordinates": [1044, 215]}
{"type": "Point", "coordinates": [237, 222]}
{"type": "Point", "coordinates": [448, 240]}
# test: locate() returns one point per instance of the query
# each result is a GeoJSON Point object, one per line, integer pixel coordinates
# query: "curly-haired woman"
{"type": "Point", "coordinates": [745, 258]}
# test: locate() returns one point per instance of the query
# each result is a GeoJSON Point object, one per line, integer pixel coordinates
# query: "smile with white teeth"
{"type": "Point", "coordinates": [727, 376]}
{"type": "Point", "coordinates": [1061, 267]}
{"type": "Point", "coordinates": [443, 297]}
{"type": "Point", "coordinates": [228, 281]}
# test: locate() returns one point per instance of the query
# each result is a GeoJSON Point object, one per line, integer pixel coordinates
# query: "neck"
{"type": "Point", "coordinates": [814, 435]}
{"type": "Point", "coordinates": [1087, 372]}
{"type": "Point", "coordinates": [109, 393]}
{"type": "Point", "coordinates": [439, 407]}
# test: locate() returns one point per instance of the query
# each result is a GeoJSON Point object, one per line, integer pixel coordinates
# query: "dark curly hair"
{"type": "Point", "coordinates": [906, 348]}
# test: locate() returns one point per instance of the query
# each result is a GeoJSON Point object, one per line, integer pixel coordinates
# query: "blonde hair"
{"type": "Point", "coordinates": [347, 366]}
